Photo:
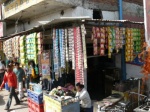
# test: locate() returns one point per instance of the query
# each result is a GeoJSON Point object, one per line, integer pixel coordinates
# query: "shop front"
{"type": "Point", "coordinates": [80, 50]}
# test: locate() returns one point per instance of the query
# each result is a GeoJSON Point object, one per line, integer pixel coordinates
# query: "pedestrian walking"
{"type": "Point", "coordinates": [11, 78]}
{"type": "Point", "coordinates": [20, 76]}
{"type": "Point", "coordinates": [2, 71]}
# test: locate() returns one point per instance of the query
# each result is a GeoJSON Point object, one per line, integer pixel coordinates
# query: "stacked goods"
{"type": "Point", "coordinates": [22, 50]}
{"type": "Point", "coordinates": [8, 48]}
{"type": "Point", "coordinates": [39, 42]}
{"type": "Point", "coordinates": [35, 101]}
{"type": "Point", "coordinates": [129, 45]}
{"type": "Point", "coordinates": [31, 47]}
{"type": "Point", "coordinates": [15, 46]}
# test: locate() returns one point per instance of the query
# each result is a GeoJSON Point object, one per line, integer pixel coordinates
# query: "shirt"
{"type": "Point", "coordinates": [11, 78]}
{"type": "Point", "coordinates": [20, 74]}
{"type": "Point", "coordinates": [84, 98]}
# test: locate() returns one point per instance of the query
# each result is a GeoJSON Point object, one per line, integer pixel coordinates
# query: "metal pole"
{"type": "Point", "coordinates": [85, 78]}
{"type": "Point", "coordinates": [123, 63]}
{"type": "Point", "coordinates": [120, 10]}
{"type": "Point", "coordinates": [139, 91]}
{"type": "Point", "coordinates": [145, 22]}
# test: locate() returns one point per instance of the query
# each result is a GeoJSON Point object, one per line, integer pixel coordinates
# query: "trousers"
{"type": "Point", "coordinates": [86, 110]}
{"type": "Point", "coordinates": [20, 89]}
{"type": "Point", "coordinates": [12, 94]}
{"type": "Point", "coordinates": [1, 77]}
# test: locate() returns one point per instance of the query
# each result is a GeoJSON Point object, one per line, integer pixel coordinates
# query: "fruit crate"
{"type": "Point", "coordinates": [34, 107]}
{"type": "Point", "coordinates": [38, 98]}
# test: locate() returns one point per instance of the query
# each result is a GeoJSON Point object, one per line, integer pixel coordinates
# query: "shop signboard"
{"type": "Point", "coordinates": [45, 64]}
{"type": "Point", "coordinates": [0, 12]}
{"type": "Point", "coordinates": [1, 29]}
{"type": "Point", "coordinates": [147, 20]}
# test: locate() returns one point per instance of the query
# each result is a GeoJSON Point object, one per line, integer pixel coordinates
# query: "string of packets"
{"type": "Point", "coordinates": [113, 38]}
{"type": "Point", "coordinates": [69, 45]}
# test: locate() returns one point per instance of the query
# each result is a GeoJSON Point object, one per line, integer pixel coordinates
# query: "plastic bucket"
{"type": "Point", "coordinates": [7, 87]}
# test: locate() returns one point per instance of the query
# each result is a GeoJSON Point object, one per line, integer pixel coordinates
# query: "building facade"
{"type": "Point", "coordinates": [22, 15]}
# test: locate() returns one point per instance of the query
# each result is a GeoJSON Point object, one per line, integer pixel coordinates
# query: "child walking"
{"type": "Point", "coordinates": [11, 78]}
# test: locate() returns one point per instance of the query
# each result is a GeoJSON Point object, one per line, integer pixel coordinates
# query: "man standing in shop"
{"type": "Point", "coordinates": [84, 98]}
{"type": "Point", "coordinates": [20, 76]}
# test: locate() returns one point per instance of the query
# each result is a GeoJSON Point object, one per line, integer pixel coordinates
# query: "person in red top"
{"type": "Point", "coordinates": [11, 79]}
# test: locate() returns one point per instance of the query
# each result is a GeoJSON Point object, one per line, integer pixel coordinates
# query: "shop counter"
{"type": "Point", "coordinates": [105, 103]}
{"type": "Point", "coordinates": [52, 104]}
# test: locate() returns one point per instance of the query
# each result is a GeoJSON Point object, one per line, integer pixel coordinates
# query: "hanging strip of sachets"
{"type": "Point", "coordinates": [84, 45]}
{"type": "Point", "coordinates": [122, 34]}
{"type": "Point", "coordinates": [56, 51]}
{"type": "Point", "coordinates": [70, 38]}
{"type": "Point", "coordinates": [73, 53]}
{"type": "Point", "coordinates": [102, 36]}
{"type": "Point", "coordinates": [129, 45]}
{"type": "Point", "coordinates": [117, 41]}
{"type": "Point", "coordinates": [110, 36]}
{"type": "Point", "coordinates": [81, 58]}
{"type": "Point", "coordinates": [77, 71]}
{"type": "Point", "coordinates": [142, 37]}
{"type": "Point", "coordinates": [95, 40]}
{"type": "Point", "coordinates": [78, 56]}
{"type": "Point", "coordinates": [61, 48]}
{"type": "Point", "coordinates": [8, 48]}
{"type": "Point", "coordinates": [66, 45]}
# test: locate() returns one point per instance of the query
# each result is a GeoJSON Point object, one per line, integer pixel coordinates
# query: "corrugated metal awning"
{"type": "Point", "coordinates": [2, 1]}
{"type": "Point", "coordinates": [66, 20]}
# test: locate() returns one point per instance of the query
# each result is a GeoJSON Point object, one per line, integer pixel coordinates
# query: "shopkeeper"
{"type": "Point", "coordinates": [84, 97]}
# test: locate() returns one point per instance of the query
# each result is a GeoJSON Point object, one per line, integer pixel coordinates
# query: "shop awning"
{"type": "Point", "coordinates": [2, 1]}
{"type": "Point", "coordinates": [66, 20]}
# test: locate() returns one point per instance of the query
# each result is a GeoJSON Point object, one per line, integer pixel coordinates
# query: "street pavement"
{"type": "Point", "coordinates": [23, 107]}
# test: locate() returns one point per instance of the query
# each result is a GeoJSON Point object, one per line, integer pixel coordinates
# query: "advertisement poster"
{"type": "Point", "coordinates": [39, 64]}
{"type": "Point", "coordinates": [45, 64]}
{"type": "Point", "coordinates": [1, 29]}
